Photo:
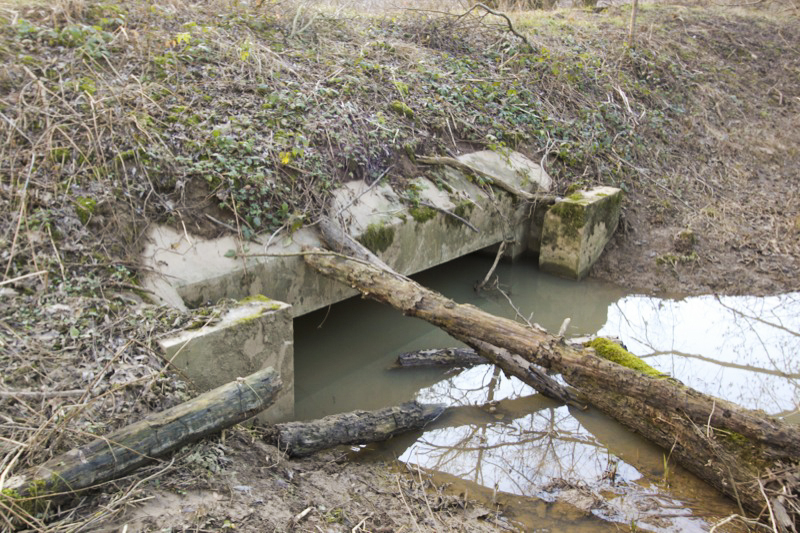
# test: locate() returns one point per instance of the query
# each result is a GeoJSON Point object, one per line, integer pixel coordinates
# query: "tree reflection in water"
{"type": "Point", "coordinates": [504, 436]}
{"type": "Point", "coordinates": [741, 348]}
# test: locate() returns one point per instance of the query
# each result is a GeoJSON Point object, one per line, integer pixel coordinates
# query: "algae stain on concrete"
{"type": "Point", "coordinates": [377, 237]}
{"type": "Point", "coordinates": [422, 214]}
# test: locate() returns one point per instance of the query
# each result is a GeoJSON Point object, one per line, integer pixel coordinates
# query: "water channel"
{"type": "Point", "coordinates": [555, 468]}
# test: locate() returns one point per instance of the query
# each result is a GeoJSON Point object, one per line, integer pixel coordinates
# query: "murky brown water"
{"type": "Point", "coordinates": [528, 449]}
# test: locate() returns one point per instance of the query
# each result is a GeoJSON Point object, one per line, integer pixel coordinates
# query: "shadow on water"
{"type": "Point", "coordinates": [503, 441]}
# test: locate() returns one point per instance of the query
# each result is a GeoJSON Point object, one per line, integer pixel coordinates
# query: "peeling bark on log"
{"type": "Point", "coordinates": [140, 443]}
{"type": "Point", "coordinates": [299, 439]}
{"type": "Point", "coordinates": [734, 449]}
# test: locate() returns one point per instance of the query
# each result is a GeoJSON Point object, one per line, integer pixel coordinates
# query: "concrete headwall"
{"type": "Point", "coordinates": [252, 335]}
{"type": "Point", "coordinates": [409, 232]}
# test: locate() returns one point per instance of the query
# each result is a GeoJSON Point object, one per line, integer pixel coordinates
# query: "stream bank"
{"type": "Point", "coordinates": [715, 153]}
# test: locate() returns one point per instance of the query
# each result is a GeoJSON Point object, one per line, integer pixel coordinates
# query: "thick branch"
{"type": "Point", "coordinates": [359, 427]}
{"type": "Point", "coordinates": [127, 449]}
{"type": "Point", "coordinates": [463, 320]}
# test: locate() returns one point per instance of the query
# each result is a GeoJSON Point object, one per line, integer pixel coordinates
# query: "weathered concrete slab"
{"type": "Point", "coordinates": [255, 334]}
{"type": "Point", "coordinates": [576, 230]}
{"type": "Point", "coordinates": [403, 230]}
{"type": "Point", "coordinates": [512, 167]}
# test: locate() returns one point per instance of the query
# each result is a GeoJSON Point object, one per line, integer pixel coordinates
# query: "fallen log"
{"type": "Point", "coordinates": [133, 446]}
{"type": "Point", "coordinates": [441, 357]}
{"type": "Point", "coordinates": [745, 454]}
{"type": "Point", "coordinates": [483, 353]}
{"type": "Point", "coordinates": [299, 439]}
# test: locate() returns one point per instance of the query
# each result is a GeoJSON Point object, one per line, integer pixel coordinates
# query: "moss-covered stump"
{"type": "Point", "coordinates": [576, 231]}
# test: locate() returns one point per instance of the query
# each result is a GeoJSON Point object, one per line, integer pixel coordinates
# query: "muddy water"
{"type": "Point", "coordinates": [553, 467]}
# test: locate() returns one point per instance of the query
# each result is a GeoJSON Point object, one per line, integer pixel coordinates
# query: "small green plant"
{"type": "Point", "coordinates": [85, 208]}
{"type": "Point", "coordinates": [401, 108]}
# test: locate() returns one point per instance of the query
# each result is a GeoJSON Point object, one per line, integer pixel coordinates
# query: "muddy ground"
{"type": "Point", "coordinates": [118, 115]}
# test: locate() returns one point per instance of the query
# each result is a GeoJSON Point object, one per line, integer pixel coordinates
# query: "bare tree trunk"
{"type": "Point", "coordinates": [742, 453]}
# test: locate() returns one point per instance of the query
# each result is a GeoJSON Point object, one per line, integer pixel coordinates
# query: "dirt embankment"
{"type": "Point", "coordinates": [120, 114]}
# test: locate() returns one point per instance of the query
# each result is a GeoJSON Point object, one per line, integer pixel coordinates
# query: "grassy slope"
{"type": "Point", "coordinates": [119, 113]}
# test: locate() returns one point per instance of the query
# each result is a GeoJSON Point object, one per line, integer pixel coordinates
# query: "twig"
{"type": "Point", "coordinates": [708, 424]}
{"type": "Point", "coordinates": [408, 508]}
{"type": "Point", "coordinates": [769, 507]}
{"type": "Point", "coordinates": [497, 257]}
{"type": "Point", "coordinates": [563, 329]}
{"type": "Point", "coordinates": [446, 212]}
{"type": "Point", "coordinates": [20, 278]}
{"type": "Point", "coordinates": [239, 231]}
{"type": "Point", "coordinates": [502, 15]}
{"type": "Point", "coordinates": [632, 28]}
{"type": "Point", "coordinates": [22, 203]}
{"type": "Point", "coordinates": [365, 191]}
{"type": "Point", "coordinates": [221, 223]}
{"type": "Point", "coordinates": [302, 514]}
{"type": "Point", "coordinates": [41, 394]}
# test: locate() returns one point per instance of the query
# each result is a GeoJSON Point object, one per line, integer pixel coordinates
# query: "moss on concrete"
{"type": "Point", "coordinates": [255, 298]}
{"type": "Point", "coordinates": [422, 214]}
{"type": "Point", "coordinates": [576, 196]}
{"type": "Point", "coordinates": [249, 318]}
{"type": "Point", "coordinates": [573, 217]}
{"type": "Point", "coordinates": [377, 237]}
{"type": "Point", "coordinates": [617, 354]}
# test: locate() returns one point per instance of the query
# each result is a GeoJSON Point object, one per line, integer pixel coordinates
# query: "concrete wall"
{"type": "Point", "coordinates": [252, 335]}
{"type": "Point", "coordinates": [188, 271]}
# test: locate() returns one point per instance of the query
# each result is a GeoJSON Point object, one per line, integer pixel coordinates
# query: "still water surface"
{"type": "Point", "coordinates": [530, 453]}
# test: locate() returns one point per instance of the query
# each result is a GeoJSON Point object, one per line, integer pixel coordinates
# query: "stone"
{"type": "Point", "coordinates": [576, 230]}
{"type": "Point", "coordinates": [255, 334]}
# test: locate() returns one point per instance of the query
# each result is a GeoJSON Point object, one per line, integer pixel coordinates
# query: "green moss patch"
{"type": "Point", "coordinates": [255, 298]}
{"type": "Point", "coordinates": [573, 217]}
{"type": "Point", "coordinates": [377, 237]}
{"type": "Point", "coordinates": [401, 109]}
{"type": "Point", "coordinates": [85, 208]}
{"type": "Point", "coordinates": [617, 354]}
{"type": "Point", "coordinates": [422, 214]}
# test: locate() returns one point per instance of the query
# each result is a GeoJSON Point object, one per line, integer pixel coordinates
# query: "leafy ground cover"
{"type": "Point", "coordinates": [240, 117]}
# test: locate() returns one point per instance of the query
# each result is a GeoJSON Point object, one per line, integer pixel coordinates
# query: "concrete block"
{"type": "Point", "coordinates": [253, 335]}
{"type": "Point", "coordinates": [576, 230]}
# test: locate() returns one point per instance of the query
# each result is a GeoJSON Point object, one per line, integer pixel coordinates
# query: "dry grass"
{"type": "Point", "coordinates": [169, 111]}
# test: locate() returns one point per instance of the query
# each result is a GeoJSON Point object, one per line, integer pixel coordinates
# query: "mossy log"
{"type": "Point", "coordinates": [744, 454]}
{"type": "Point", "coordinates": [299, 439]}
{"type": "Point", "coordinates": [133, 446]}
